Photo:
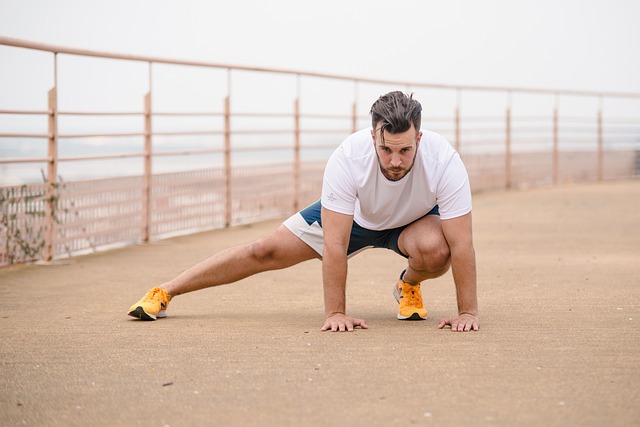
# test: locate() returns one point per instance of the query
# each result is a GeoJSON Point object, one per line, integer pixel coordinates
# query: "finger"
{"type": "Point", "coordinates": [341, 327]}
{"type": "Point", "coordinates": [467, 327]}
{"type": "Point", "coordinates": [444, 322]}
{"type": "Point", "coordinates": [326, 326]}
{"type": "Point", "coordinates": [362, 324]}
{"type": "Point", "coordinates": [349, 326]}
{"type": "Point", "coordinates": [475, 326]}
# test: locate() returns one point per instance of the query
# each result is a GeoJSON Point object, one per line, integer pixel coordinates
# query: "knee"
{"type": "Point", "coordinates": [432, 257]}
{"type": "Point", "coordinates": [262, 251]}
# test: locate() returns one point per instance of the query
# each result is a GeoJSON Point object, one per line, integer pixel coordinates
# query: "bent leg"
{"type": "Point", "coordinates": [278, 250]}
{"type": "Point", "coordinates": [426, 247]}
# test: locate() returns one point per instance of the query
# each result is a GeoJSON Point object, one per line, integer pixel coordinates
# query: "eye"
{"type": "Point", "coordinates": [405, 150]}
{"type": "Point", "coordinates": [385, 149]}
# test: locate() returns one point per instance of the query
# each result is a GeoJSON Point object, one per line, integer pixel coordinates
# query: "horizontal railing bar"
{"type": "Point", "coordinates": [634, 140]}
{"type": "Point", "coordinates": [261, 131]}
{"type": "Point", "coordinates": [100, 113]}
{"type": "Point", "coordinates": [318, 146]}
{"type": "Point", "coordinates": [258, 114]}
{"type": "Point", "coordinates": [186, 113]}
{"type": "Point", "coordinates": [466, 131]}
{"type": "Point", "coordinates": [325, 116]}
{"type": "Point", "coordinates": [25, 135]}
{"type": "Point", "coordinates": [621, 121]}
{"type": "Point", "coordinates": [34, 112]}
{"type": "Point", "coordinates": [548, 117]}
{"type": "Point", "coordinates": [193, 132]}
{"type": "Point", "coordinates": [578, 119]}
{"type": "Point", "coordinates": [437, 119]}
{"type": "Point", "coordinates": [573, 129]}
{"type": "Point", "coordinates": [515, 129]}
{"type": "Point", "coordinates": [100, 157]}
{"type": "Point", "coordinates": [466, 142]}
{"type": "Point", "coordinates": [9, 41]}
{"type": "Point", "coordinates": [325, 131]}
{"type": "Point", "coordinates": [545, 141]}
{"type": "Point", "coordinates": [464, 119]}
{"type": "Point", "coordinates": [580, 141]}
{"type": "Point", "coordinates": [258, 148]}
{"type": "Point", "coordinates": [98, 135]}
{"type": "Point", "coordinates": [188, 152]}
{"type": "Point", "coordinates": [25, 160]}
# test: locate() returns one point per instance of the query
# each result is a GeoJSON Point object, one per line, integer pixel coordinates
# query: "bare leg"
{"type": "Point", "coordinates": [277, 250]}
{"type": "Point", "coordinates": [427, 248]}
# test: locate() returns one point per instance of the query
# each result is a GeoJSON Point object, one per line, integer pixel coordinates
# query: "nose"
{"type": "Point", "coordinates": [396, 160]}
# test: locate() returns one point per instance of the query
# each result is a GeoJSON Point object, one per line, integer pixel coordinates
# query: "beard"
{"type": "Point", "coordinates": [396, 173]}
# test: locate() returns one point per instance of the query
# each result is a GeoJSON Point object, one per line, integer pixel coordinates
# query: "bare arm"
{"type": "Point", "coordinates": [458, 232]}
{"type": "Point", "coordinates": [336, 228]}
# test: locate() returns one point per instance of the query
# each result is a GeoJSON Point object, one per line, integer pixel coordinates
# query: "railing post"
{"type": "Point", "coordinates": [507, 156]}
{"type": "Point", "coordinates": [227, 163]}
{"type": "Point", "coordinates": [52, 174]}
{"type": "Point", "coordinates": [555, 171]}
{"type": "Point", "coordinates": [148, 175]}
{"type": "Point", "coordinates": [600, 147]}
{"type": "Point", "coordinates": [296, 155]}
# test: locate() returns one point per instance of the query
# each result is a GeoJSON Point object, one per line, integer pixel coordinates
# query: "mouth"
{"type": "Point", "coordinates": [394, 174]}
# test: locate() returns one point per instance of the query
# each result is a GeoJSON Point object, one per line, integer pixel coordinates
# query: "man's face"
{"type": "Point", "coordinates": [397, 152]}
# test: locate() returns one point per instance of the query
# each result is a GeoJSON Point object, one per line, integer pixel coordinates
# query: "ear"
{"type": "Point", "coordinates": [418, 139]}
{"type": "Point", "coordinates": [373, 135]}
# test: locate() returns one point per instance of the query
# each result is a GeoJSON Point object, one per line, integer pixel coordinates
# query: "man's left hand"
{"type": "Point", "coordinates": [462, 323]}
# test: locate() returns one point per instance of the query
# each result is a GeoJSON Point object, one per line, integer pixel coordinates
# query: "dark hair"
{"type": "Point", "coordinates": [395, 112]}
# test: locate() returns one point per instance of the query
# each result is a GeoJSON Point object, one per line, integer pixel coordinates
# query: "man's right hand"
{"type": "Point", "coordinates": [339, 322]}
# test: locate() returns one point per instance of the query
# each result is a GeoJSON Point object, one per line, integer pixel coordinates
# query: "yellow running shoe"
{"type": "Point", "coordinates": [410, 299]}
{"type": "Point", "coordinates": [152, 305]}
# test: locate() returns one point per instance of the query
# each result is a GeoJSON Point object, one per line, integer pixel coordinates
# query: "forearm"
{"type": "Point", "coordinates": [334, 277]}
{"type": "Point", "coordinates": [463, 266]}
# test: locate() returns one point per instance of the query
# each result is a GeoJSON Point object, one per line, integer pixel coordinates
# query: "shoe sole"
{"type": "Point", "coordinates": [142, 315]}
{"type": "Point", "coordinates": [414, 316]}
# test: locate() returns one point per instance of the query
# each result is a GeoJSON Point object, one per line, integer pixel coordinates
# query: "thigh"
{"type": "Point", "coordinates": [288, 248]}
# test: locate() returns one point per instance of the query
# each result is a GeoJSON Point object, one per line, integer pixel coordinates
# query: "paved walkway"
{"type": "Point", "coordinates": [559, 343]}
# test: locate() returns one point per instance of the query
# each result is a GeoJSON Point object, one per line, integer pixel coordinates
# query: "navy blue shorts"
{"type": "Point", "coordinates": [307, 225]}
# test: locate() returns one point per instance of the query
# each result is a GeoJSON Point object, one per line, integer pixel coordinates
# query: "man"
{"type": "Point", "coordinates": [391, 186]}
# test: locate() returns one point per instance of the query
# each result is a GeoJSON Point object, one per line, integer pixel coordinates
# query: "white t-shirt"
{"type": "Point", "coordinates": [354, 185]}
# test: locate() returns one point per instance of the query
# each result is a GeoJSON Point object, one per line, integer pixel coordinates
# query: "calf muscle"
{"type": "Point", "coordinates": [278, 250]}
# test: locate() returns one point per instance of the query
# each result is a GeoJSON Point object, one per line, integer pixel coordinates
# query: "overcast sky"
{"type": "Point", "coordinates": [571, 44]}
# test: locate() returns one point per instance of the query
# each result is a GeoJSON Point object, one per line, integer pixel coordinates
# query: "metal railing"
{"type": "Point", "coordinates": [501, 150]}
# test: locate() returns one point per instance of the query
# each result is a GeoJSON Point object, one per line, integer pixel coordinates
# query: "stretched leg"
{"type": "Point", "coordinates": [278, 250]}
{"type": "Point", "coordinates": [427, 248]}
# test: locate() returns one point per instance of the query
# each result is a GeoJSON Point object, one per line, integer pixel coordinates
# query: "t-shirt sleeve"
{"type": "Point", "coordinates": [338, 188]}
{"type": "Point", "coordinates": [454, 191]}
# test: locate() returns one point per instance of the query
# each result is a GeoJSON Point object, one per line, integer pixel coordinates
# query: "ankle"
{"type": "Point", "coordinates": [408, 282]}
